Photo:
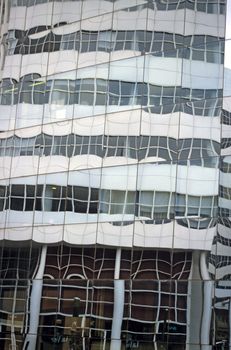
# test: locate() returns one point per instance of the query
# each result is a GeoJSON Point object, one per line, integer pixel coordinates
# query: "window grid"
{"type": "Point", "coordinates": [226, 117]}
{"type": "Point", "coordinates": [149, 204]}
{"type": "Point", "coordinates": [219, 260]}
{"type": "Point", "coordinates": [225, 142]}
{"type": "Point", "coordinates": [223, 240]}
{"type": "Point", "coordinates": [225, 167]}
{"type": "Point", "coordinates": [199, 47]}
{"type": "Point", "coordinates": [120, 93]}
{"type": "Point", "coordinates": [135, 147]}
{"type": "Point", "coordinates": [225, 192]}
{"type": "Point", "coordinates": [208, 6]}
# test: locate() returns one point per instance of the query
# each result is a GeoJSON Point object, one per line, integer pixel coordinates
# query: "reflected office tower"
{"type": "Point", "coordinates": [115, 175]}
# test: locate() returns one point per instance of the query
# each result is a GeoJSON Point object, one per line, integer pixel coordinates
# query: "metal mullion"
{"type": "Point", "coordinates": [4, 147]}
{"type": "Point", "coordinates": [148, 93]}
{"type": "Point", "coordinates": [153, 203]}
{"type": "Point", "coordinates": [169, 205]}
{"type": "Point", "coordinates": [88, 144]}
{"type": "Point", "coordinates": [174, 95]}
{"type": "Point", "coordinates": [5, 198]}
{"type": "Point", "coordinates": [125, 201]}
{"type": "Point", "coordinates": [186, 204]}
{"type": "Point", "coordinates": [74, 145]}
{"type": "Point", "coordinates": [148, 146]}
{"type": "Point", "coordinates": [11, 147]}
{"type": "Point", "coordinates": [175, 297]}
{"type": "Point", "coordinates": [200, 206]}
{"type": "Point", "coordinates": [26, 146]}
{"type": "Point", "coordinates": [32, 145]}
{"type": "Point", "coordinates": [72, 199]}
{"type": "Point", "coordinates": [161, 95]}
{"type": "Point", "coordinates": [109, 204]}
{"type": "Point", "coordinates": [212, 207]}
{"type": "Point", "coordinates": [80, 40]}
{"type": "Point", "coordinates": [53, 146]}
{"type": "Point", "coordinates": [94, 92]}
{"type": "Point", "coordinates": [43, 197]}
{"type": "Point", "coordinates": [201, 152]}
{"type": "Point", "coordinates": [24, 198]}
{"type": "Point", "coordinates": [127, 150]}
{"type": "Point", "coordinates": [154, 41]}
{"type": "Point", "coordinates": [162, 42]}
{"type": "Point", "coordinates": [190, 150]}
{"type": "Point", "coordinates": [105, 145]}
{"type": "Point", "coordinates": [62, 188]}
{"type": "Point", "coordinates": [158, 146]}
{"type": "Point", "coordinates": [95, 145]}
{"type": "Point", "coordinates": [1, 147]}
{"type": "Point", "coordinates": [51, 91]}
{"type": "Point", "coordinates": [100, 144]}
{"type": "Point", "coordinates": [97, 41]}
{"type": "Point", "coordinates": [67, 91]}
{"type": "Point", "coordinates": [169, 151]}
{"type": "Point", "coordinates": [69, 197]}
{"type": "Point", "coordinates": [124, 40]}
{"type": "Point", "coordinates": [120, 91]}
{"type": "Point", "coordinates": [60, 144]}
{"type": "Point", "coordinates": [113, 39]}
{"type": "Point", "coordinates": [66, 145]}
{"type": "Point", "coordinates": [81, 144]}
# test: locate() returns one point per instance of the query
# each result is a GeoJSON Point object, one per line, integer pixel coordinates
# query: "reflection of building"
{"type": "Point", "coordinates": [112, 188]}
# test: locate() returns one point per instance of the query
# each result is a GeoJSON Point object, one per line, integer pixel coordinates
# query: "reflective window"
{"type": "Point", "coordinates": [208, 6]}
{"type": "Point", "coordinates": [199, 47]}
{"type": "Point", "coordinates": [143, 204]}
{"type": "Point", "coordinates": [92, 92]}
{"type": "Point", "coordinates": [201, 152]}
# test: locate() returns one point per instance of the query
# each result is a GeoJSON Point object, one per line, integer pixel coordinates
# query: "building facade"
{"type": "Point", "coordinates": [115, 175]}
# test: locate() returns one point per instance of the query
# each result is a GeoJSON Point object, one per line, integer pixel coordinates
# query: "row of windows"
{"type": "Point", "coordinates": [204, 47]}
{"type": "Point", "coordinates": [224, 212]}
{"type": "Point", "coordinates": [197, 224]}
{"type": "Point", "coordinates": [146, 36]}
{"type": "Point", "coordinates": [209, 6]}
{"type": "Point", "coordinates": [205, 108]}
{"type": "Point", "coordinates": [149, 204]}
{"type": "Point", "coordinates": [95, 263]}
{"type": "Point", "coordinates": [137, 147]}
{"type": "Point", "coordinates": [101, 92]}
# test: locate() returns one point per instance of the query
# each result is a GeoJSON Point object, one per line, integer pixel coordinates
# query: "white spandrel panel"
{"type": "Point", "coordinates": [7, 117]}
{"type": "Point", "coordinates": [159, 125]}
{"type": "Point", "coordinates": [195, 239]}
{"type": "Point", "coordinates": [197, 180]}
{"type": "Point", "coordinates": [17, 18]}
{"type": "Point", "coordinates": [28, 115]}
{"type": "Point", "coordinates": [40, 14]}
{"type": "Point", "coordinates": [202, 75]}
{"type": "Point", "coordinates": [196, 126]}
{"type": "Point", "coordinates": [198, 22]}
{"type": "Point", "coordinates": [157, 177]}
{"type": "Point", "coordinates": [66, 11]}
{"type": "Point", "coordinates": [115, 235]}
{"type": "Point", "coordinates": [153, 234]}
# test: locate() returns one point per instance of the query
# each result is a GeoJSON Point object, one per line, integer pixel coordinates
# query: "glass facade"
{"type": "Point", "coordinates": [115, 175]}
